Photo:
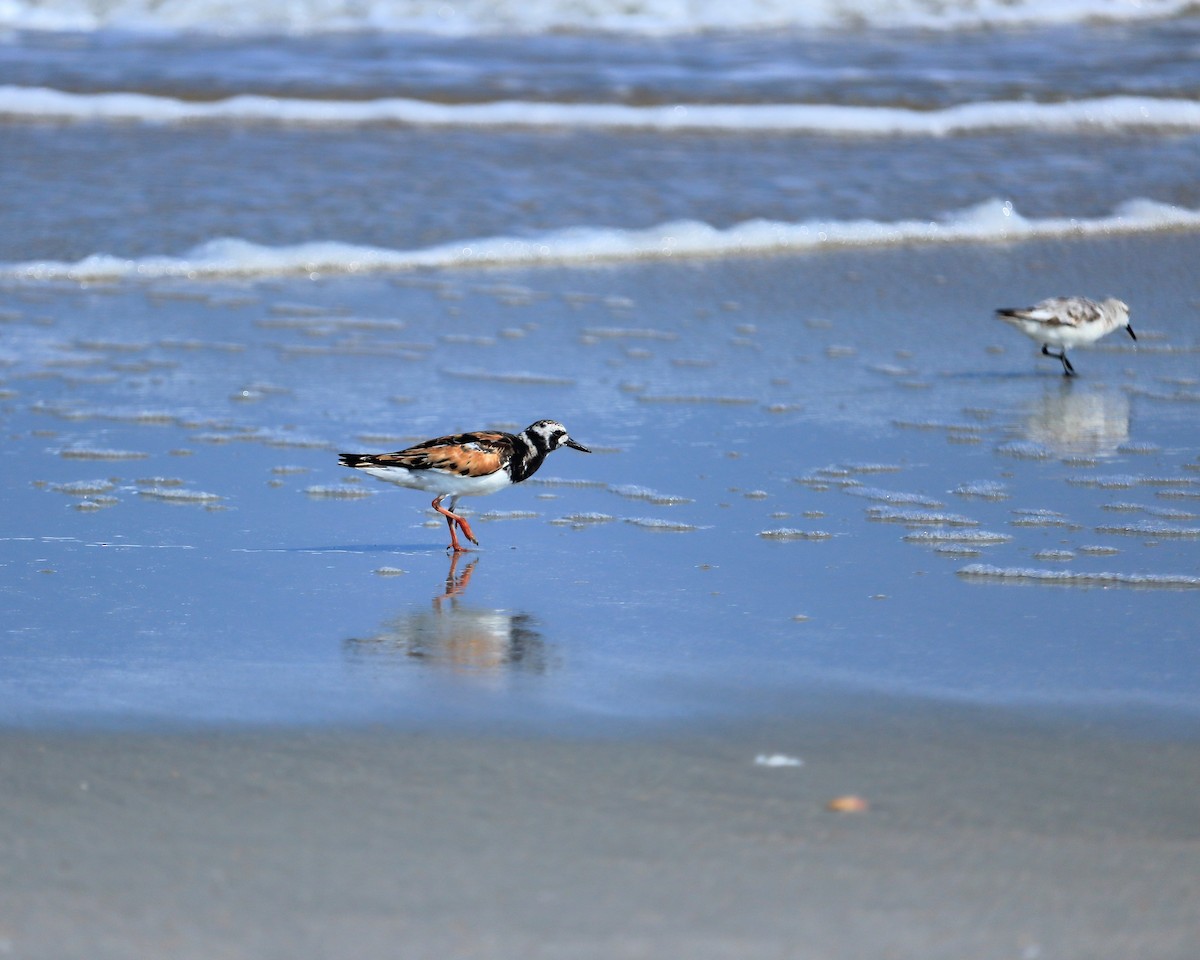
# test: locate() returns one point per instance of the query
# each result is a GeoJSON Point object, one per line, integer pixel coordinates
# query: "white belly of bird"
{"type": "Point", "coordinates": [450, 484]}
{"type": "Point", "coordinates": [1060, 335]}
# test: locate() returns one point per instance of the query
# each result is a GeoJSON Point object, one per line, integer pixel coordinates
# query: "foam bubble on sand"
{"type": "Point", "coordinates": [1139, 448]}
{"type": "Point", "coordinates": [83, 488]}
{"type": "Point", "coordinates": [1160, 512]}
{"type": "Point", "coordinates": [1024, 450]}
{"type": "Point", "coordinates": [582, 519]}
{"type": "Point", "coordinates": [629, 333]}
{"type": "Point", "coordinates": [895, 497]}
{"type": "Point", "coordinates": [565, 482]}
{"type": "Point", "coordinates": [971, 537]}
{"type": "Point", "coordinates": [1040, 518]}
{"type": "Point", "coordinates": [140, 415]}
{"type": "Point", "coordinates": [667, 526]}
{"type": "Point", "coordinates": [192, 345]}
{"type": "Point", "coordinates": [919, 517]}
{"type": "Point", "coordinates": [338, 492]}
{"type": "Point", "coordinates": [515, 378]}
{"type": "Point", "coordinates": [936, 425]}
{"type": "Point", "coordinates": [982, 490]}
{"type": "Point", "coordinates": [1166, 513]}
{"type": "Point", "coordinates": [1106, 482]}
{"type": "Point", "coordinates": [817, 480]}
{"type": "Point", "coordinates": [633, 492]}
{"type": "Point", "coordinates": [96, 503]}
{"type": "Point", "coordinates": [1178, 494]}
{"type": "Point", "coordinates": [863, 467]}
{"type": "Point", "coordinates": [86, 453]}
{"type": "Point", "coordinates": [1170, 481]}
{"type": "Point", "coordinates": [980, 571]}
{"type": "Point", "coordinates": [174, 495]}
{"type": "Point", "coordinates": [278, 438]}
{"type": "Point", "coordinates": [788, 533]}
{"type": "Point", "coordinates": [1146, 528]}
{"type": "Point", "coordinates": [159, 482]}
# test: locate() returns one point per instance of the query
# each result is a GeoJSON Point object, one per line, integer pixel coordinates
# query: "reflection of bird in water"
{"type": "Point", "coordinates": [1069, 420]}
{"type": "Point", "coordinates": [1068, 322]}
{"type": "Point", "coordinates": [466, 465]}
{"type": "Point", "coordinates": [451, 634]}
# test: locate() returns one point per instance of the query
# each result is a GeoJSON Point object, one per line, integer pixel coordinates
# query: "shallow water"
{"type": "Point", "coordinates": [812, 474]}
{"type": "Point", "coordinates": [750, 261]}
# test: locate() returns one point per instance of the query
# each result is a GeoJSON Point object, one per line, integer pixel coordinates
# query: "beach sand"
{"type": "Point", "coordinates": [987, 836]}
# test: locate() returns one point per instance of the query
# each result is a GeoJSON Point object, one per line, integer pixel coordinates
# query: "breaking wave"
{"type": "Point", "coordinates": [991, 221]}
{"type": "Point", "coordinates": [634, 17]}
{"type": "Point", "coordinates": [1107, 114]}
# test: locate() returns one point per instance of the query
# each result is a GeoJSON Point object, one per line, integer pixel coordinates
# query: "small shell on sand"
{"type": "Point", "coordinates": [848, 804]}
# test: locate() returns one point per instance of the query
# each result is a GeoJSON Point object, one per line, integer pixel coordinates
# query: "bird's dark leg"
{"type": "Point", "coordinates": [1068, 370]}
{"type": "Point", "coordinates": [452, 519]}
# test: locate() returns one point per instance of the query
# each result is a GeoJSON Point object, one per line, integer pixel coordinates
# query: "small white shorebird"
{"type": "Point", "coordinates": [1068, 322]}
{"type": "Point", "coordinates": [466, 465]}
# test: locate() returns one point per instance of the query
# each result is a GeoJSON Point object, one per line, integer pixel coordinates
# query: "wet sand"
{"type": "Point", "coordinates": [987, 836]}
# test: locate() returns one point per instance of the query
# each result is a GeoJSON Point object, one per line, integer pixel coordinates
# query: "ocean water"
{"type": "Point", "coordinates": [747, 251]}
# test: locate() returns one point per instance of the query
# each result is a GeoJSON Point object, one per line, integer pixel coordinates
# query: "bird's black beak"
{"type": "Point", "coordinates": [576, 446]}
{"type": "Point", "coordinates": [1129, 330]}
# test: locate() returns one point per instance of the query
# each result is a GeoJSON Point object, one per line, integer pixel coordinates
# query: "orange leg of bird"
{"type": "Point", "coordinates": [451, 520]}
{"type": "Point", "coordinates": [466, 528]}
{"type": "Point", "coordinates": [454, 544]}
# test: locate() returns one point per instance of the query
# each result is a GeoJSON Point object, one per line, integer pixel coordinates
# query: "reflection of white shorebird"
{"type": "Point", "coordinates": [1069, 418]}
{"type": "Point", "coordinates": [1068, 322]}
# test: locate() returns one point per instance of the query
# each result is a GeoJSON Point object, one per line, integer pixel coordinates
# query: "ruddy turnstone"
{"type": "Point", "coordinates": [1068, 322]}
{"type": "Point", "coordinates": [466, 465]}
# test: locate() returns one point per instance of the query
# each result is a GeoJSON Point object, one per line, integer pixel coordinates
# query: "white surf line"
{"type": "Point", "coordinates": [991, 221]}
{"type": "Point", "coordinates": [647, 19]}
{"type": "Point", "coordinates": [1100, 114]}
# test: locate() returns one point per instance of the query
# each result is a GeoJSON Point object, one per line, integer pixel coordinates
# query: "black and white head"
{"type": "Point", "coordinates": [549, 435]}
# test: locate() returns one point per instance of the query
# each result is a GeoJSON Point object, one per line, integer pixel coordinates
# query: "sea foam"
{"type": "Point", "coordinates": [992, 221]}
{"type": "Point", "coordinates": [646, 17]}
{"type": "Point", "coordinates": [1105, 114]}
